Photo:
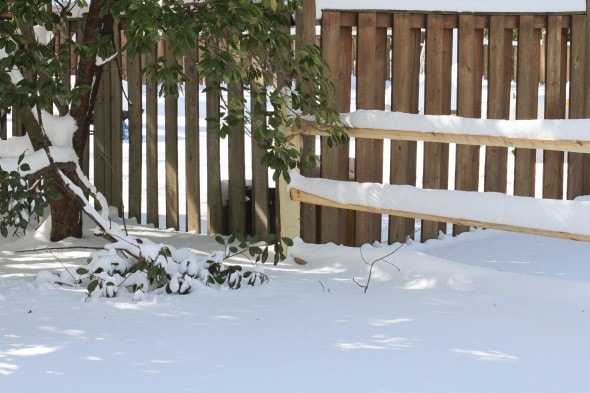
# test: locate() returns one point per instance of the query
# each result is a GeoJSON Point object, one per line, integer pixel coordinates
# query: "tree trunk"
{"type": "Point", "coordinates": [66, 212]}
{"type": "Point", "coordinates": [66, 218]}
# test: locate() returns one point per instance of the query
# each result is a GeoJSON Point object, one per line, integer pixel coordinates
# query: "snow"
{"type": "Point", "coordinates": [572, 129]}
{"type": "Point", "coordinates": [42, 35]}
{"type": "Point", "coordinates": [491, 207]}
{"type": "Point", "coordinates": [38, 160]}
{"type": "Point", "coordinates": [486, 311]}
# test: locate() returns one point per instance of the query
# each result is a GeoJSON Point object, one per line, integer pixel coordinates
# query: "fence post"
{"type": "Point", "coordinates": [289, 210]}
{"type": "Point", "coordinates": [305, 26]}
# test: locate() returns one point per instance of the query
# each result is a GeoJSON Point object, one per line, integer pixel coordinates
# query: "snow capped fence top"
{"type": "Point", "coordinates": [496, 6]}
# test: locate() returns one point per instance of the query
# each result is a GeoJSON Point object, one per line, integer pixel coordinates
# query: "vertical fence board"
{"type": "Point", "coordinates": [554, 103]}
{"type": "Point", "coordinates": [500, 39]}
{"type": "Point", "coordinates": [404, 98]}
{"type": "Point", "coordinates": [101, 144]}
{"type": "Point", "coordinates": [306, 25]}
{"type": "Point", "coordinates": [236, 159]}
{"type": "Point", "coordinates": [468, 105]}
{"type": "Point", "coordinates": [527, 92]}
{"type": "Point", "coordinates": [214, 202]}
{"type": "Point", "coordinates": [3, 125]}
{"type": "Point", "coordinates": [337, 51]}
{"type": "Point", "coordinates": [370, 95]}
{"type": "Point", "coordinates": [192, 144]}
{"type": "Point", "coordinates": [578, 177]}
{"type": "Point", "coordinates": [260, 196]}
{"type": "Point", "coordinates": [435, 100]}
{"type": "Point", "coordinates": [135, 136]}
{"type": "Point", "coordinates": [171, 150]}
{"type": "Point", "coordinates": [115, 153]}
{"type": "Point", "coordinates": [107, 136]}
{"type": "Point", "coordinates": [152, 146]}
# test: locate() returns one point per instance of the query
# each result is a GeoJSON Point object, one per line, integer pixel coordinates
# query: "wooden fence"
{"type": "Point", "coordinates": [246, 207]}
{"type": "Point", "coordinates": [548, 217]}
{"type": "Point", "coordinates": [433, 92]}
{"type": "Point", "coordinates": [387, 47]}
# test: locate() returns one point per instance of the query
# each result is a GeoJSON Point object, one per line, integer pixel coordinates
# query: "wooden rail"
{"type": "Point", "coordinates": [414, 50]}
{"type": "Point", "coordinates": [579, 145]}
{"type": "Point", "coordinates": [564, 219]}
{"type": "Point", "coordinates": [488, 205]}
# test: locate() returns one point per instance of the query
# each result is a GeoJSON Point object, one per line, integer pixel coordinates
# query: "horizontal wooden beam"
{"type": "Point", "coordinates": [577, 146]}
{"type": "Point", "coordinates": [302, 196]}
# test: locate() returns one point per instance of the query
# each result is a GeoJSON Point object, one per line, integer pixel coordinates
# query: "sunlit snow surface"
{"type": "Point", "coordinates": [486, 311]}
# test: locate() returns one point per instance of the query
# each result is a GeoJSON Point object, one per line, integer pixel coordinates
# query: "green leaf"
{"type": "Point", "coordinates": [92, 286]}
{"type": "Point", "coordinates": [81, 271]}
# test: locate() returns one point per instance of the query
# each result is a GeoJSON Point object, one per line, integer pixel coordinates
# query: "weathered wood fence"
{"type": "Point", "coordinates": [433, 91]}
{"type": "Point", "coordinates": [386, 49]}
{"type": "Point", "coordinates": [548, 217]}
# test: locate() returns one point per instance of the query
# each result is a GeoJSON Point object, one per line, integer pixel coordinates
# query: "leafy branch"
{"type": "Point", "coordinates": [22, 198]}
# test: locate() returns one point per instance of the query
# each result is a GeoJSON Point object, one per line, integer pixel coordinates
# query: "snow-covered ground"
{"type": "Point", "coordinates": [486, 311]}
{"type": "Point", "coordinates": [483, 312]}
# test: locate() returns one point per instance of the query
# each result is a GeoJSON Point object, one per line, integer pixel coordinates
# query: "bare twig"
{"type": "Point", "coordinates": [372, 265]}
{"type": "Point", "coordinates": [47, 249]}
{"type": "Point", "coordinates": [74, 279]}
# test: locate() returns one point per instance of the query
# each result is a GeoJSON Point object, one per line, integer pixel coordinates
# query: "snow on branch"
{"type": "Point", "coordinates": [38, 160]}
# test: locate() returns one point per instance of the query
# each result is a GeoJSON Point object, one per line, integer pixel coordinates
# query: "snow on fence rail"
{"type": "Point", "coordinates": [416, 49]}
{"type": "Point", "coordinates": [549, 217]}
